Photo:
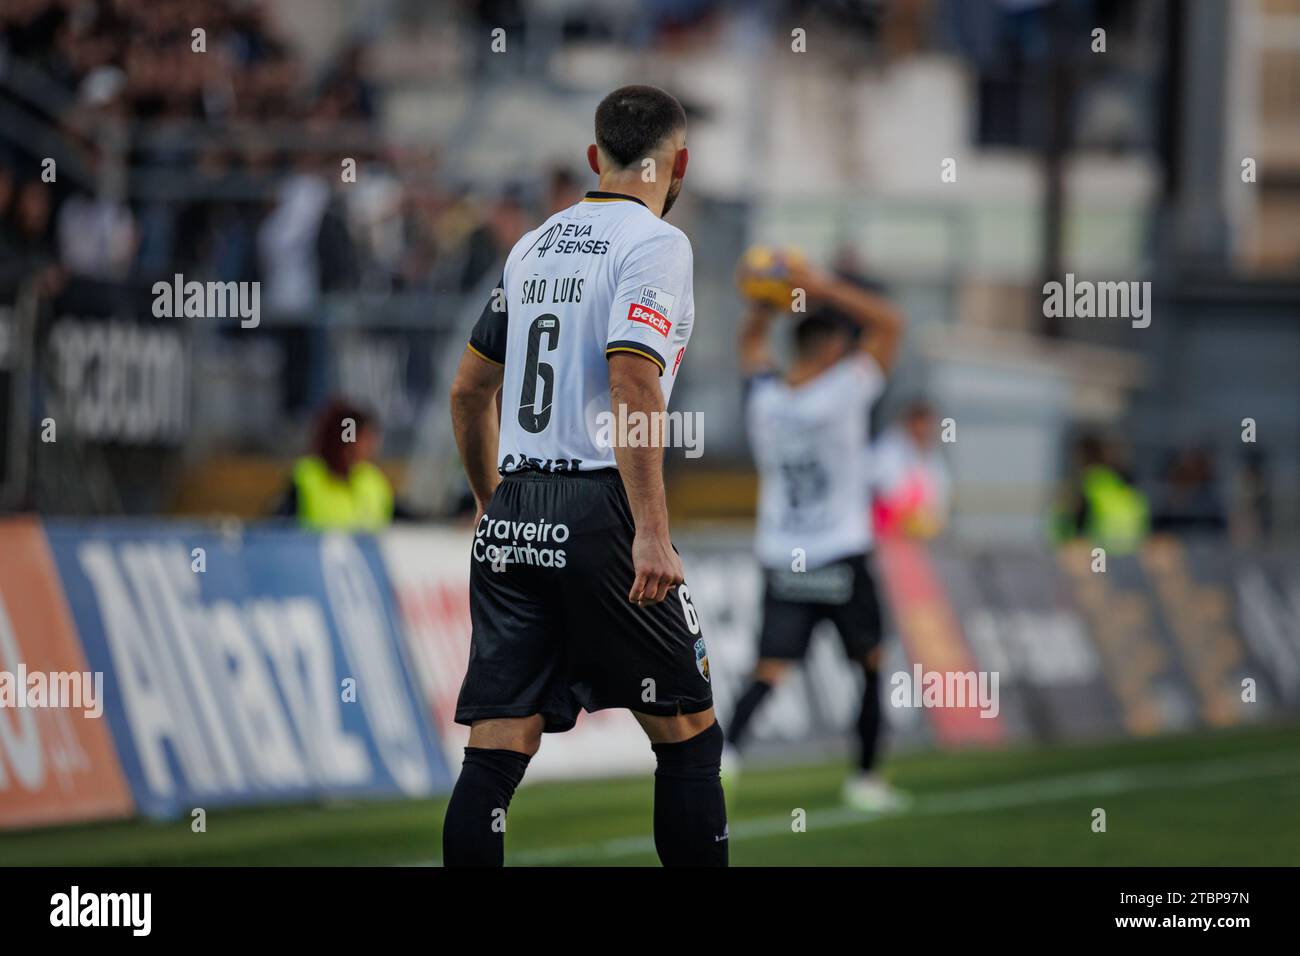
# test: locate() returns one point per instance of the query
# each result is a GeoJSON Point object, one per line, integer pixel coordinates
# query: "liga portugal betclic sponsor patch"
{"type": "Point", "coordinates": [648, 316]}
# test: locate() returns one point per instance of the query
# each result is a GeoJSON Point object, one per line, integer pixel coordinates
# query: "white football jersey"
{"type": "Point", "coordinates": [809, 443]}
{"type": "Point", "coordinates": [604, 276]}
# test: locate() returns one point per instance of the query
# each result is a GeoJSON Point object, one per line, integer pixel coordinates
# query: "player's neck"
{"type": "Point", "coordinates": [630, 184]}
{"type": "Point", "coordinates": [801, 372]}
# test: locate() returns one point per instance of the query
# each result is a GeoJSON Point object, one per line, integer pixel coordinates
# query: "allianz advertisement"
{"type": "Point", "coordinates": [250, 668]}
{"type": "Point", "coordinates": [272, 666]}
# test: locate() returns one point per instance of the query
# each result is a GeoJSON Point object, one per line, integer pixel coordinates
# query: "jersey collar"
{"type": "Point", "coordinates": [595, 195]}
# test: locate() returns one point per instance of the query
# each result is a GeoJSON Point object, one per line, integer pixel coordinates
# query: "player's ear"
{"type": "Point", "coordinates": [679, 163]}
{"type": "Point", "coordinates": [593, 158]}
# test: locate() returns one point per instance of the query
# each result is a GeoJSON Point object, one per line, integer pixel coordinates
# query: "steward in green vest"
{"type": "Point", "coordinates": [1116, 513]}
{"type": "Point", "coordinates": [338, 488]}
{"type": "Point", "coordinates": [363, 501]}
{"type": "Point", "coordinates": [1108, 510]}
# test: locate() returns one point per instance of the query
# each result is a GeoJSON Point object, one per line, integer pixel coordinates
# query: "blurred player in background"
{"type": "Point", "coordinates": [909, 479]}
{"type": "Point", "coordinates": [577, 595]}
{"type": "Point", "coordinates": [808, 431]}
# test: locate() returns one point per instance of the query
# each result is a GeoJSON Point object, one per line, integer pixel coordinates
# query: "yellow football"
{"type": "Point", "coordinates": [764, 275]}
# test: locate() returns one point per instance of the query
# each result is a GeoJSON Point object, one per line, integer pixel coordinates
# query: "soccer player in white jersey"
{"type": "Point", "coordinates": [808, 430]}
{"type": "Point", "coordinates": [577, 596]}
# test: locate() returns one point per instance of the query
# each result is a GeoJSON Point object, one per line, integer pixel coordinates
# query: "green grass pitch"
{"type": "Point", "coordinates": [1226, 798]}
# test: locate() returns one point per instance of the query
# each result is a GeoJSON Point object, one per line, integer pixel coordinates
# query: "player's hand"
{"type": "Point", "coordinates": [658, 568]}
{"type": "Point", "coordinates": [812, 280]}
{"type": "Point", "coordinates": [481, 507]}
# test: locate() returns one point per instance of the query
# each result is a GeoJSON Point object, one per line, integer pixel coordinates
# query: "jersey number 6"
{"type": "Point", "coordinates": [688, 609]}
{"type": "Point", "coordinates": [531, 418]}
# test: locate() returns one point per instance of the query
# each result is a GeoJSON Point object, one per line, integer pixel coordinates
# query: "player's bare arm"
{"type": "Point", "coordinates": [881, 322]}
{"type": "Point", "coordinates": [634, 384]}
{"type": "Point", "coordinates": [755, 351]}
{"type": "Point", "coordinates": [474, 419]}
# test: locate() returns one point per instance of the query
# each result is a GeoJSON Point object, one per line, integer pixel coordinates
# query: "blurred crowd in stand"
{"type": "Point", "coordinates": [228, 164]}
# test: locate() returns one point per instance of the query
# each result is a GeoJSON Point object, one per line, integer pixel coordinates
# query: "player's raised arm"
{"type": "Point", "coordinates": [755, 351]}
{"type": "Point", "coordinates": [634, 386]}
{"type": "Point", "coordinates": [881, 322]}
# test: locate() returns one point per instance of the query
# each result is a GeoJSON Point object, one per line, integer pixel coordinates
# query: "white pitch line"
{"type": "Point", "coordinates": [1002, 796]}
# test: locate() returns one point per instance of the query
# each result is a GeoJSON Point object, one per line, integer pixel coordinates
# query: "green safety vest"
{"type": "Point", "coordinates": [361, 502]}
{"type": "Point", "coordinates": [1117, 512]}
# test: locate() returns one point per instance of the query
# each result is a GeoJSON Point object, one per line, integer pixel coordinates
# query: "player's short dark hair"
{"type": "Point", "coordinates": [633, 120]}
{"type": "Point", "coordinates": [327, 437]}
{"type": "Point", "coordinates": [815, 330]}
{"type": "Point", "coordinates": [1091, 448]}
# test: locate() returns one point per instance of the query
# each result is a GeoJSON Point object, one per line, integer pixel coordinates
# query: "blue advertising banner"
{"type": "Point", "coordinates": [253, 667]}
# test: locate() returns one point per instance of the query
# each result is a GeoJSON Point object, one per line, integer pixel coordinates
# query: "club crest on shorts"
{"type": "Point", "coordinates": [702, 658]}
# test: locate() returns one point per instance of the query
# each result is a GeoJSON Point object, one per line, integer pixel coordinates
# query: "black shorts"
{"type": "Point", "coordinates": [554, 632]}
{"type": "Point", "coordinates": [842, 592]}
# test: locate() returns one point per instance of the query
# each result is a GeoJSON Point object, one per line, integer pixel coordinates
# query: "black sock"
{"type": "Point", "coordinates": [745, 708]}
{"type": "Point", "coordinates": [869, 719]}
{"type": "Point", "coordinates": [474, 829]}
{"type": "Point", "coordinates": [690, 815]}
